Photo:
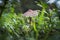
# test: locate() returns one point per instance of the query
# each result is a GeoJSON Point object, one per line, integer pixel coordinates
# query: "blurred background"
{"type": "Point", "coordinates": [40, 25]}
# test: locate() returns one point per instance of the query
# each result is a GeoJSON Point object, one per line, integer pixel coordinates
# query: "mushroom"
{"type": "Point", "coordinates": [31, 13]}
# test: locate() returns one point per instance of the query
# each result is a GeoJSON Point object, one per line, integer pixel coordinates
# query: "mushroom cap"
{"type": "Point", "coordinates": [31, 13]}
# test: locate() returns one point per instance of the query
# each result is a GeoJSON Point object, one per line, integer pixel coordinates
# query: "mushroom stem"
{"type": "Point", "coordinates": [30, 20]}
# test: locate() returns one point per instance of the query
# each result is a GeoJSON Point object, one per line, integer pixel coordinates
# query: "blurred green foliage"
{"type": "Point", "coordinates": [45, 26]}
